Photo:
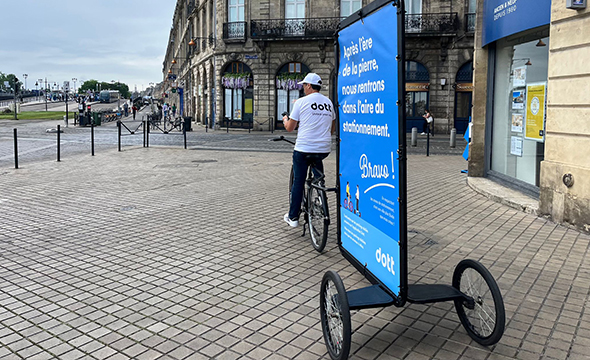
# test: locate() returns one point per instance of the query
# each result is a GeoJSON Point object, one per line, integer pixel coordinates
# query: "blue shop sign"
{"type": "Point", "coordinates": [502, 18]}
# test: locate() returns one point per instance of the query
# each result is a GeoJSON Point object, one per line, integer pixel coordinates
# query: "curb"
{"type": "Point", "coordinates": [504, 195]}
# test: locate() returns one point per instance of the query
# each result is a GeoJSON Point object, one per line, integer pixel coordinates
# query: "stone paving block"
{"type": "Point", "coordinates": [215, 288]}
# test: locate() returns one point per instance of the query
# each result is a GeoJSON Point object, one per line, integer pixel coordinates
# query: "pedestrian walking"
{"type": "Point", "coordinates": [126, 109]}
{"type": "Point", "coordinates": [165, 110]}
{"type": "Point", "coordinates": [173, 110]}
{"type": "Point", "coordinates": [134, 109]}
{"type": "Point", "coordinates": [314, 113]}
{"type": "Point", "coordinates": [428, 125]}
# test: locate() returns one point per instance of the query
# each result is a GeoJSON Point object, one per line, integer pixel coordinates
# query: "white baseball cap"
{"type": "Point", "coordinates": [311, 78]}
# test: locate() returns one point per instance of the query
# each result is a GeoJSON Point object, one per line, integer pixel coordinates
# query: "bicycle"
{"type": "Point", "coordinates": [314, 205]}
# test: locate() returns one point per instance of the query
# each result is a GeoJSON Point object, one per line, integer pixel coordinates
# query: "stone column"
{"type": "Point", "coordinates": [477, 150]}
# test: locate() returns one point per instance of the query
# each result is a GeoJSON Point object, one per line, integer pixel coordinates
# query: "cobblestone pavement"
{"type": "Point", "coordinates": [166, 253]}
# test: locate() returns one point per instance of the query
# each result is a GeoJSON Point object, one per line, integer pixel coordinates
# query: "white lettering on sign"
{"type": "Point", "coordinates": [386, 260]}
{"type": "Point", "coordinates": [502, 10]}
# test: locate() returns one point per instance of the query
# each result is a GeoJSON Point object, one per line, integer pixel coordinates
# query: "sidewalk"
{"type": "Point", "coordinates": [166, 253]}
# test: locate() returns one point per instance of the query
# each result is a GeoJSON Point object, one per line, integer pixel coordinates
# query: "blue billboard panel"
{"type": "Point", "coordinates": [369, 167]}
{"type": "Point", "coordinates": [502, 18]}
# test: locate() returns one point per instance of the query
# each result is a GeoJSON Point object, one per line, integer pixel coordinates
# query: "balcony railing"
{"type": "Point", "coordinates": [234, 31]}
{"type": "Point", "coordinates": [470, 23]}
{"type": "Point", "coordinates": [279, 29]}
{"type": "Point", "coordinates": [432, 23]}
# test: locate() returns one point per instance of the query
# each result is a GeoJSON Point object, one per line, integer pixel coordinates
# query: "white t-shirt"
{"type": "Point", "coordinates": [429, 119]}
{"type": "Point", "coordinates": [314, 113]}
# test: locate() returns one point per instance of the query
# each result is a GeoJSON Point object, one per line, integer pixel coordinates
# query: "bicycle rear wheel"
{"type": "Point", "coordinates": [319, 218]}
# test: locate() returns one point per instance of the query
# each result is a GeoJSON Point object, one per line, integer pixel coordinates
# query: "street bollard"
{"type": "Point", "coordinates": [147, 137]}
{"type": "Point", "coordinates": [15, 151]}
{"type": "Point", "coordinates": [119, 133]}
{"type": "Point", "coordinates": [227, 125]}
{"type": "Point", "coordinates": [206, 123]}
{"type": "Point", "coordinates": [414, 137]}
{"type": "Point", "coordinates": [58, 143]}
{"type": "Point", "coordinates": [92, 136]}
{"type": "Point", "coordinates": [453, 140]}
{"type": "Point", "coordinates": [144, 126]}
{"type": "Point", "coordinates": [184, 132]}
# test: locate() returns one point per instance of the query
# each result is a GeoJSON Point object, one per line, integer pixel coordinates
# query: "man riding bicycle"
{"type": "Point", "coordinates": [314, 113]}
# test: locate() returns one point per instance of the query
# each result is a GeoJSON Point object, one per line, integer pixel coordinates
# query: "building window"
{"type": "Point", "coordinates": [288, 91]}
{"type": "Point", "coordinates": [238, 96]}
{"type": "Point", "coordinates": [463, 97]}
{"type": "Point", "coordinates": [417, 86]}
{"type": "Point", "coordinates": [295, 9]}
{"type": "Point", "coordinates": [235, 10]}
{"type": "Point", "coordinates": [413, 6]}
{"type": "Point", "coordinates": [348, 7]}
{"type": "Point", "coordinates": [519, 107]}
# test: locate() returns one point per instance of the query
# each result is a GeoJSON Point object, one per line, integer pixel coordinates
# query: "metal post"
{"type": "Point", "coordinates": [92, 136]}
{"type": "Point", "coordinates": [15, 85]}
{"type": "Point", "coordinates": [67, 114]}
{"type": "Point", "coordinates": [144, 126]}
{"type": "Point", "coordinates": [119, 133]}
{"type": "Point", "coordinates": [250, 125]}
{"type": "Point", "coordinates": [227, 126]}
{"type": "Point", "coordinates": [453, 140]}
{"type": "Point", "coordinates": [427, 140]}
{"type": "Point", "coordinates": [15, 151]}
{"type": "Point", "coordinates": [414, 141]}
{"type": "Point", "coordinates": [58, 143]}
{"type": "Point", "coordinates": [147, 136]}
{"type": "Point", "coordinates": [206, 123]}
{"type": "Point", "coordinates": [184, 132]}
{"type": "Point", "coordinates": [45, 93]}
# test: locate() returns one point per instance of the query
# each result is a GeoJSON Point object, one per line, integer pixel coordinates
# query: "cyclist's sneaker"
{"type": "Point", "coordinates": [292, 223]}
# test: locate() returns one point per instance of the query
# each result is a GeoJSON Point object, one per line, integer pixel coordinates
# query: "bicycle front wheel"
{"type": "Point", "coordinates": [335, 316]}
{"type": "Point", "coordinates": [485, 318]}
{"type": "Point", "coordinates": [319, 219]}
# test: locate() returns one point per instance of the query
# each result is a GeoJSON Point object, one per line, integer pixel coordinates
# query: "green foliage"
{"type": "Point", "coordinates": [10, 79]}
{"type": "Point", "coordinates": [92, 86]}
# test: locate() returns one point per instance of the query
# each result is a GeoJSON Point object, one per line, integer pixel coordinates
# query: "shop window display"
{"type": "Point", "coordinates": [519, 110]}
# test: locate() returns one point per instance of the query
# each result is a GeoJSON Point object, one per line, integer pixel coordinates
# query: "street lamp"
{"type": "Point", "coordinates": [74, 80]}
{"type": "Point", "coordinates": [25, 76]}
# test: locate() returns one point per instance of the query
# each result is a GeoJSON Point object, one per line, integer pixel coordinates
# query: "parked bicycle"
{"type": "Point", "coordinates": [314, 205]}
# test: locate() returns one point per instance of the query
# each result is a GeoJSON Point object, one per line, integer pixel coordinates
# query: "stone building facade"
{"type": "Point", "coordinates": [236, 62]}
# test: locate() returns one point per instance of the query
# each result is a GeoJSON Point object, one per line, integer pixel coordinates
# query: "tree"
{"type": "Point", "coordinates": [92, 86]}
{"type": "Point", "coordinates": [10, 79]}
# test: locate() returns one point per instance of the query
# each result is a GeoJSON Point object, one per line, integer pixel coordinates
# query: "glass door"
{"type": "Point", "coordinates": [235, 18]}
{"type": "Point", "coordinates": [413, 15]}
{"type": "Point", "coordinates": [295, 17]}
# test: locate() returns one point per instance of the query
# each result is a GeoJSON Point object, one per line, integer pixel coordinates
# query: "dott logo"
{"type": "Point", "coordinates": [321, 107]}
{"type": "Point", "coordinates": [385, 260]}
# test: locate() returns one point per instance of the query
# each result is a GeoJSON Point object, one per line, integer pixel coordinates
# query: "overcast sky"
{"type": "Point", "coordinates": [121, 40]}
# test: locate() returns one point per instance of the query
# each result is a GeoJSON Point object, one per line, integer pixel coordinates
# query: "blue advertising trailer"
{"type": "Point", "coordinates": [371, 187]}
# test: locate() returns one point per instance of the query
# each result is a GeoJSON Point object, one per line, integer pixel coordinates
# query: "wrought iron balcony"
{"type": "Point", "coordinates": [281, 29]}
{"type": "Point", "coordinates": [432, 24]}
{"type": "Point", "coordinates": [234, 31]}
{"type": "Point", "coordinates": [469, 23]}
